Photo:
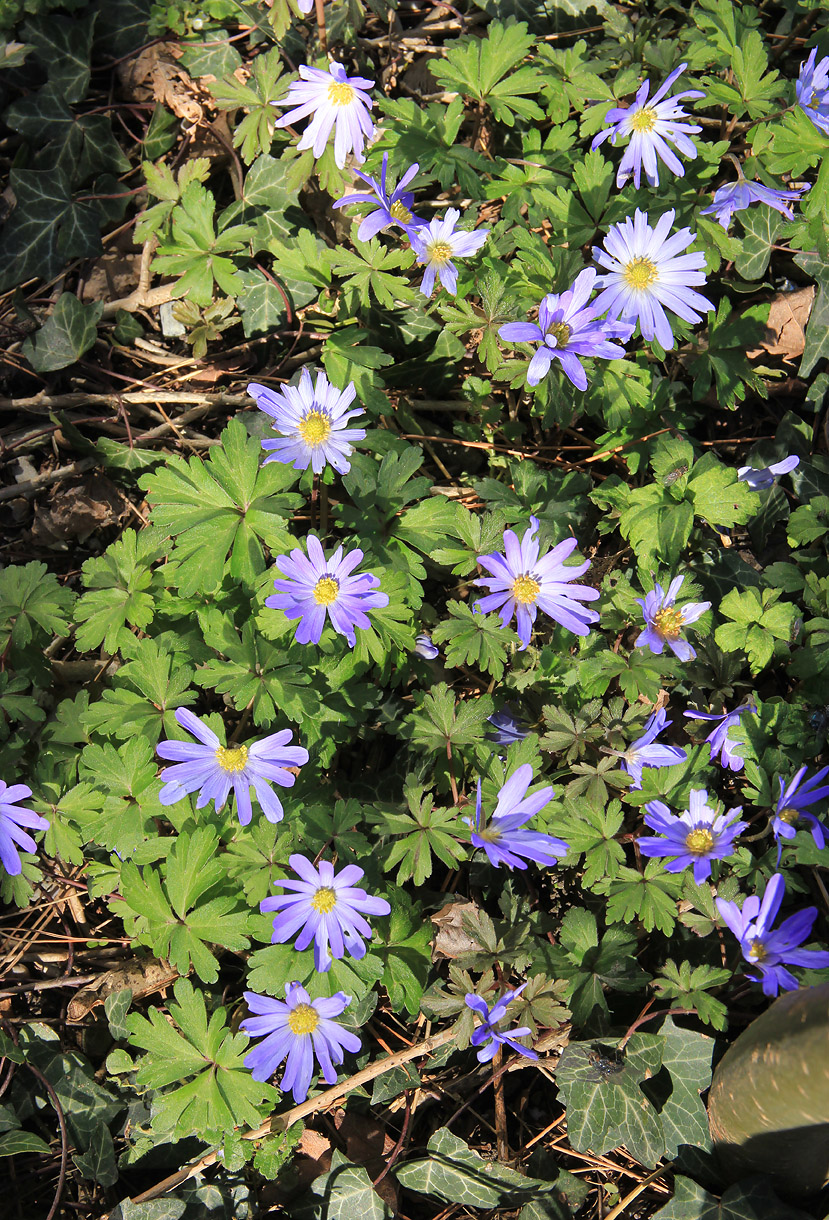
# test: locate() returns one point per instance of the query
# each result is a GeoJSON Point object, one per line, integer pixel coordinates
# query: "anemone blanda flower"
{"type": "Point", "coordinates": [425, 648]}
{"type": "Point", "coordinates": [741, 194]}
{"type": "Point", "coordinates": [507, 729]}
{"type": "Point", "coordinates": [769, 951]}
{"type": "Point", "coordinates": [664, 620]}
{"type": "Point", "coordinates": [437, 243]}
{"type": "Point", "coordinates": [503, 838]}
{"type": "Point", "coordinates": [722, 745]}
{"type": "Point", "coordinates": [568, 329]}
{"type": "Point", "coordinates": [646, 751]}
{"type": "Point", "coordinates": [652, 124]}
{"type": "Point", "coordinates": [694, 838]}
{"type": "Point", "coordinates": [315, 587]}
{"type": "Point", "coordinates": [812, 91]}
{"type": "Point", "coordinates": [301, 1029]}
{"type": "Point", "coordinates": [490, 1039]}
{"type": "Point", "coordinates": [646, 271]}
{"type": "Point", "coordinates": [388, 209]}
{"type": "Point", "coordinates": [763, 478]}
{"type": "Point", "coordinates": [338, 102]}
{"type": "Point", "coordinates": [793, 807]}
{"type": "Point", "coordinates": [521, 583]}
{"type": "Point", "coordinates": [13, 818]}
{"type": "Point", "coordinates": [313, 422]}
{"type": "Point", "coordinates": [213, 769]}
{"type": "Point", "coordinates": [325, 907]}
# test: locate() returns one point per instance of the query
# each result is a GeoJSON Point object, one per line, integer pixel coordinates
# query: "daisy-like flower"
{"type": "Point", "coordinates": [301, 1029]}
{"type": "Point", "coordinates": [652, 124]}
{"type": "Point", "coordinates": [13, 818]}
{"type": "Point", "coordinates": [762, 479]}
{"type": "Point", "coordinates": [769, 951]}
{"type": "Point", "coordinates": [315, 587]}
{"type": "Point", "coordinates": [425, 648]}
{"type": "Point", "coordinates": [568, 329]}
{"type": "Point", "coordinates": [338, 102]}
{"type": "Point", "coordinates": [664, 620]}
{"type": "Point", "coordinates": [507, 729]}
{"type": "Point", "coordinates": [793, 807]}
{"type": "Point", "coordinates": [645, 271]}
{"type": "Point", "coordinates": [325, 907]}
{"type": "Point", "coordinates": [722, 745]}
{"type": "Point", "coordinates": [213, 769]}
{"type": "Point", "coordinates": [812, 91]}
{"type": "Point", "coordinates": [646, 751]}
{"type": "Point", "coordinates": [741, 194]}
{"type": "Point", "coordinates": [389, 209]}
{"type": "Point", "coordinates": [490, 1039]}
{"type": "Point", "coordinates": [437, 243]}
{"type": "Point", "coordinates": [312, 420]}
{"type": "Point", "coordinates": [503, 838]}
{"type": "Point", "coordinates": [521, 583]}
{"type": "Point", "coordinates": [694, 838]}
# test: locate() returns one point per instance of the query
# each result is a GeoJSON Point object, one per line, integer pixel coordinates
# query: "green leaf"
{"type": "Point", "coordinates": [797, 145]}
{"type": "Point", "coordinates": [717, 495]}
{"type": "Point", "coordinates": [369, 271]}
{"type": "Point", "coordinates": [345, 1192]}
{"type": "Point", "coordinates": [69, 331]}
{"type": "Point", "coordinates": [761, 225]}
{"type": "Point", "coordinates": [196, 253]}
{"type": "Point", "coordinates": [33, 606]}
{"type": "Point", "coordinates": [686, 1058]}
{"type": "Point", "coordinates": [253, 135]}
{"type": "Point", "coordinates": [606, 1110]}
{"type": "Point", "coordinates": [226, 504]}
{"type": "Point", "coordinates": [650, 897]}
{"type": "Point", "coordinates": [440, 721]}
{"type": "Point", "coordinates": [477, 67]}
{"type": "Point", "coordinates": [423, 830]}
{"type": "Point", "coordinates": [97, 1164]}
{"type": "Point", "coordinates": [474, 639]}
{"type": "Point", "coordinates": [120, 580]}
{"type": "Point", "coordinates": [13, 1143]}
{"type": "Point", "coordinates": [753, 1199]}
{"type": "Point", "coordinates": [220, 1092]}
{"type": "Point", "coordinates": [817, 328]}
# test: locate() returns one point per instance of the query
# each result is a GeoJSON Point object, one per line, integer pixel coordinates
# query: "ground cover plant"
{"type": "Point", "coordinates": [414, 608]}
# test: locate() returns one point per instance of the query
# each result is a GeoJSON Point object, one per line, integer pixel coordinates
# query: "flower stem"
{"type": "Point", "coordinates": [502, 1142]}
{"type": "Point", "coordinates": [323, 37]}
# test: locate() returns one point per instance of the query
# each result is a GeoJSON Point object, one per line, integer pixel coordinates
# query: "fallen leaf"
{"type": "Point", "coordinates": [451, 938]}
{"type": "Point", "coordinates": [143, 977]}
{"type": "Point", "coordinates": [78, 510]}
{"type": "Point", "coordinates": [786, 328]}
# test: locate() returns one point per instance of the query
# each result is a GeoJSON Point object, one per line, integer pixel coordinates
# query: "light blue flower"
{"type": "Point", "coordinates": [504, 838]}
{"type": "Point", "coordinates": [762, 479]}
{"type": "Point", "coordinates": [664, 620]}
{"type": "Point", "coordinates": [694, 838]}
{"type": "Point", "coordinates": [394, 209]}
{"type": "Point", "coordinates": [213, 769]}
{"type": "Point", "coordinates": [425, 648]}
{"type": "Point", "coordinates": [437, 243]}
{"type": "Point", "coordinates": [793, 807]}
{"type": "Point", "coordinates": [507, 728]}
{"type": "Point", "coordinates": [722, 745]}
{"type": "Point", "coordinates": [312, 420]}
{"type": "Point", "coordinates": [568, 329]}
{"type": "Point", "coordinates": [315, 588]}
{"type": "Point", "coordinates": [338, 103]}
{"type": "Point", "coordinates": [325, 907]}
{"type": "Point", "coordinates": [652, 125]}
{"type": "Point", "coordinates": [741, 194]}
{"type": "Point", "coordinates": [490, 1039]}
{"type": "Point", "coordinates": [13, 817]}
{"type": "Point", "coordinates": [768, 951]}
{"type": "Point", "coordinates": [646, 751]}
{"type": "Point", "coordinates": [300, 1029]}
{"type": "Point", "coordinates": [812, 91]}
{"type": "Point", "coordinates": [646, 272]}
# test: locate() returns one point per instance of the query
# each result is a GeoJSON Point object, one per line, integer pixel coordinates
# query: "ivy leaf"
{"type": "Point", "coordinates": [47, 227]}
{"type": "Point", "coordinates": [226, 504]}
{"type": "Point", "coordinates": [64, 46]}
{"type": "Point", "coordinates": [69, 331]}
{"type": "Point", "coordinates": [604, 1111]}
{"type": "Point", "coordinates": [817, 328]}
{"type": "Point", "coordinates": [220, 1092]}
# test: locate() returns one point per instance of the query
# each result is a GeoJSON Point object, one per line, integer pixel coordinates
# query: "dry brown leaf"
{"type": "Point", "coordinates": [785, 334]}
{"type": "Point", "coordinates": [78, 510]}
{"type": "Point", "coordinates": [451, 938]}
{"type": "Point", "coordinates": [143, 977]}
{"type": "Point", "coordinates": [155, 74]}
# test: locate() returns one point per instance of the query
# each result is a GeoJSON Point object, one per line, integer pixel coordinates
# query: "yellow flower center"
{"type": "Point", "coordinates": [324, 900]}
{"type": "Point", "coordinates": [668, 623]}
{"type": "Point", "coordinates": [398, 212]}
{"type": "Point", "coordinates": [643, 120]}
{"type": "Point", "coordinates": [640, 273]}
{"type": "Point", "coordinates": [340, 94]}
{"type": "Point", "coordinates": [232, 760]}
{"type": "Point", "coordinates": [314, 428]}
{"type": "Point", "coordinates": [439, 252]}
{"type": "Point", "coordinates": [490, 834]}
{"type": "Point", "coordinates": [699, 841]}
{"type": "Point", "coordinates": [525, 589]}
{"type": "Point", "coordinates": [789, 815]}
{"type": "Point", "coordinates": [561, 332]}
{"type": "Point", "coordinates": [303, 1019]}
{"type": "Point", "coordinates": [326, 590]}
{"type": "Point", "coordinates": [758, 951]}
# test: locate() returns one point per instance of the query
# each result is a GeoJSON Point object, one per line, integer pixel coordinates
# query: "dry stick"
{"type": "Point", "coordinates": [637, 1191]}
{"type": "Point", "coordinates": [46, 402]}
{"type": "Point", "coordinates": [33, 486]}
{"type": "Point", "coordinates": [281, 1122]}
{"type": "Point", "coordinates": [323, 36]}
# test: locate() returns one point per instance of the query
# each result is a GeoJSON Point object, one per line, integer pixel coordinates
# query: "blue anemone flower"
{"type": "Point", "coordinates": [763, 478]}
{"type": "Point", "coordinates": [792, 807]}
{"type": "Point", "coordinates": [812, 91]}
{"type": "Point", "coordinates": [507, 728]}
{"type": "Point", "coordinates": [325, 907]}
{"type": "Point", "coordinates": [503, 838]}
{"type": "Point", "coordinates": [693, 838]}
{"type": "Point", "coordinates": [768, 951]}
{"type": "Point", "coordinates": [741, 194]}
{"type": "Point", "coordinates": [13, 818]}
{"type": "Point", "coordinates": [664, 620]}
{"type": "Point", "coordinates": [338, 102]}
{"type": "Point", "coordinates": [394, 209]}
{"type": "Point", "coordinates": [722, 745]}
{"type": "Point", "coordinates": [646, 751]}
{"type": "Point", "coordinates": [568, 329]}
{"type": "Point", "coordinates": [652, 124]}
{"type": "Point", "coordinates": [300, 1029]}
{"type": "Point", "coordinates": [437, 243]}
{"type": "Point", "coordinates": [490, 1039]}
{"type": "Point", "coordinates": [312, 420]}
